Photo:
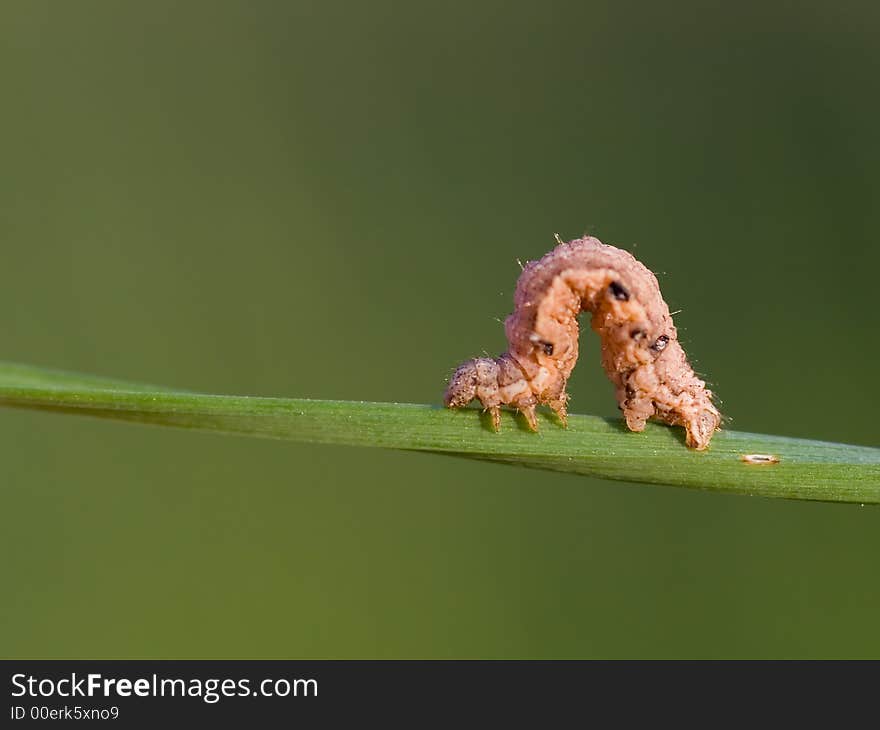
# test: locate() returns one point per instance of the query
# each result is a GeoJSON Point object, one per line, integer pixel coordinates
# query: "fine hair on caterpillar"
{"type": "Point", "coordinates": [641, 353]}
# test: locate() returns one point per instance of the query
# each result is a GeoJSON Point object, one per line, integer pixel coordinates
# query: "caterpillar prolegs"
{"type": "Point", "coordinates": [640, 349]}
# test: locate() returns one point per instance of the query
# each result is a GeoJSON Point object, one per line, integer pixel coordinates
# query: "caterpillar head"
{"type": "Point", "coordinates": [468, 379]}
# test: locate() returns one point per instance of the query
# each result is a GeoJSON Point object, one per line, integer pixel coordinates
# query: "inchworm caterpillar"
{"type": "Point", "coordinates": [640, 349]}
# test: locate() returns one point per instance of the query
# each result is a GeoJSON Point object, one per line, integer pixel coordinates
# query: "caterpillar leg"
{"type": "Point", "coordinates": [700, 428]}
{"type": "Point", "coordinates": [560, 407]}
{"type": "Point", "coordinates": [529, 413]}
{"type": "Point", "coordinates": [495, 415]}
{"type": "Point", "coordinates": [637, 409]}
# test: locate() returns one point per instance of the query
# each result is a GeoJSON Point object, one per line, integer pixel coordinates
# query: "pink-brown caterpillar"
{"type": "Point", "coordinates": [640, 349]}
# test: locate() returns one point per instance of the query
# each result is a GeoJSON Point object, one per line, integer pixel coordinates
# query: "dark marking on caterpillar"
{"type": "Point", "coordinates": [660, 343]}
{"type": "Point", "coordinates": [641, 353]}
{"type": "Point", "coordinates": [618, 292]}
{"type": "Point", "coordinates": [759, 458]}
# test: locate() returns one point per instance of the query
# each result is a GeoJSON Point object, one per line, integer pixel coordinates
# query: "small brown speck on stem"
{"type": "Point", "coordinates": [759, 458]}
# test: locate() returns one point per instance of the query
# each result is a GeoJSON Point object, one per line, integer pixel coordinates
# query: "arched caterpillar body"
{"type": "Point", "coordinates": [640, 349]}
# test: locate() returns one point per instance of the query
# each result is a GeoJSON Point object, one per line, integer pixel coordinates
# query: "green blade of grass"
{"type": "Point", "coordinates": [592, 446]}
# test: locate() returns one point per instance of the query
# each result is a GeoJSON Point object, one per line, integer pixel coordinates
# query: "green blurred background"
{"type": "Point", "coordinates": [327, 200]}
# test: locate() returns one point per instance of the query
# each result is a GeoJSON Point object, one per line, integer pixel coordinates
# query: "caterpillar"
{"type": "Point", "coordinates": [641, 353]}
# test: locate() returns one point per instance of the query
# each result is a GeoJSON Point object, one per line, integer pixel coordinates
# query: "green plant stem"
{"type": "Point", "coordinates": [592, 446]}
